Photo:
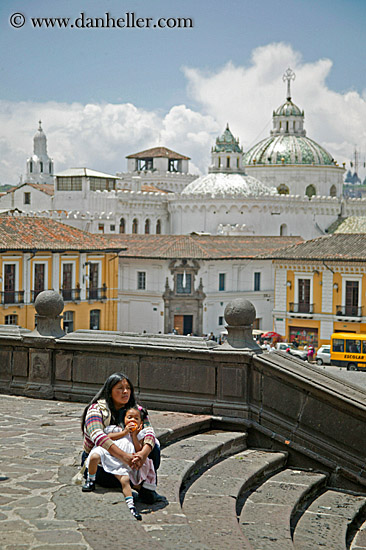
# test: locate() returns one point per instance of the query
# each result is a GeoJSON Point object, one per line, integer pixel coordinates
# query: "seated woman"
{"type": "Point", "coordinates": [107, 408]}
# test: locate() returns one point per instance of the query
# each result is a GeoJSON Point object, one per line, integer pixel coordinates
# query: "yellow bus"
{"type": "Point", "coordinates": [348, 350]}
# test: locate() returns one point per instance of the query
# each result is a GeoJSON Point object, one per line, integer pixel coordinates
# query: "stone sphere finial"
{"type": "Point", "coordinates": [240, 312]}
{"type": "Point", "coordinates": [49, 303]}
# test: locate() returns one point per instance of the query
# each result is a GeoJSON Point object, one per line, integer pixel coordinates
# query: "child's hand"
{"type": "Point", "coordinates": [131, 426]}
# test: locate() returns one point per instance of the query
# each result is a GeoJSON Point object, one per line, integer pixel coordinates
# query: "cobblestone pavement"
{"type": "Point", "coordinates": [39, 506]}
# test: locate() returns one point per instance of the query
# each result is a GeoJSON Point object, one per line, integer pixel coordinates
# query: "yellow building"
{"type": "Point", "coordinates": [39, 254]}
{"type": "Point", "coordinates": [320, 288]}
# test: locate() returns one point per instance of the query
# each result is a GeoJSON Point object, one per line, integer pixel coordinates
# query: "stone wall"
{"type": "Point", "coordinates": [283, 402]}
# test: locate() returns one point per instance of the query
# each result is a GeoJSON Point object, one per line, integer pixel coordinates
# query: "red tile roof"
{"type": "Point", "coordinates": [157, 152]}
{"type": "Point", "coordinates": [205, 247]}
{"type": "Point", "coordinates": [32, 233]}
{"type": "Point", "coordinates": [47, 188]}
{"type": "Point", "coordinates": [150, 187]}
{"type": "Point", "coordinates": [337, 247]}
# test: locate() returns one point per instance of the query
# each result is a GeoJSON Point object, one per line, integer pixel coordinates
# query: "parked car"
{"type": "Point", "coordinates": [301, 353]}
{"type": "Point", "coordinates": [322, 356]}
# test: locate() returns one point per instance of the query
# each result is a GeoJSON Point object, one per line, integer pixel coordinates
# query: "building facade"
{"type": "Point", "coordinates": [320, 288]}
{"type": "Point", "coordinates": [40, 254]}
{"type": "Point", "coordinates": [183, 283]}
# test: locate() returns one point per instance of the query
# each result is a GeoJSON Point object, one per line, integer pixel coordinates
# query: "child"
{"type": "Point", "coordinates": [129, 440]}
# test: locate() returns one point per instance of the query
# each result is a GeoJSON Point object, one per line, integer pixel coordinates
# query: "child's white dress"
{"type": "Point", "coordinates": [112, 465]}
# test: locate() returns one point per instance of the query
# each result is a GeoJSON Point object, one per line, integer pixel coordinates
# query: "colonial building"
{"type": "Point", "coordinates": [41, 254]}
{"type": "Point", "coordinates": [320, 288]}
{"type": "Point", "coordinates": [185, 282]}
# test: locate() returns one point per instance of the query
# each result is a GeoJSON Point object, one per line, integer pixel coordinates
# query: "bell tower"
{"type": "Point", "coordinates": [39, 165]}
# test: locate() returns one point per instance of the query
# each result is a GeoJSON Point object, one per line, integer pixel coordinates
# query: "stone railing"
{"type": "Point", "coordinates": [283, 402]}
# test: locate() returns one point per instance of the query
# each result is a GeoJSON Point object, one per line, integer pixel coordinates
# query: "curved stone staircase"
{"type": "Point", "coordinates": [222, 495]}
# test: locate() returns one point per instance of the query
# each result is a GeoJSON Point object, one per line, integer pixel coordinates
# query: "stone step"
{"type": "Point", "coordinates": [266, 515]}
{"type": "Point", "coordinates": [168, 525]}
{"type": "Point", "coordinates": [327, 521]}
{"type": "Point", "coordinates": [210, 502]}
{"type": "Point", "coordinates": [359, 541]}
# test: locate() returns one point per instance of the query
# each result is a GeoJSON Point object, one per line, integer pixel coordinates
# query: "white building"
{"type": "Point", "coordinates": [185, 282]}
{"type": "Point", "coordinates": [159, 167]}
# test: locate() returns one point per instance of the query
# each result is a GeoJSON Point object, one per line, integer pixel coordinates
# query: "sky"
{"type": "Point", "coordinates": [104, 93]}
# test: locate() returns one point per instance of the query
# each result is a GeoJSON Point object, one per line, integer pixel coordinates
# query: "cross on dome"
{"type": "Point", "coordinates": [289, 75]}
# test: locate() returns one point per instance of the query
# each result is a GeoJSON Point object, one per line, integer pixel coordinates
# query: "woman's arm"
{"type": "Point", "coordinates": [140, 456]}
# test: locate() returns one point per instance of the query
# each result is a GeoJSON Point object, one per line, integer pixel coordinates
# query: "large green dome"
{"type": "Point", "coordinates": [288, 143]}
{"type": "Point", "coordinates": [287, 149]}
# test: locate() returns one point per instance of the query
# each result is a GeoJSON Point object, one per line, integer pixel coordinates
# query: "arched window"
{"type": "Point", "coordinates": [50, 167]}
{"type": "Point", "coordinates": [283, 230]}
{"type": "Point", "coordinates": [227, 162]}
{"type": "Point", "coordinates": [122, 225]}
{"type": "Point", "coordinates": [31, 166]}
{"type": "Point", "coordinates": [310, 191]}
{"type": "Point", "coordinates": [135, 225]}
{"type": "Point", "coordinates": [41, 166]}
{"type": "Point", "coordinates": [147, 226]}
{"type": "Point", "coordinates": [158, 227]}
{"type": "Point", "coordinates": [333, 191]}
{"type": "Point", "coordinates": [283, 189]}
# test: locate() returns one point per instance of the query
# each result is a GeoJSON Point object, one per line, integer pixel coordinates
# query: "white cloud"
{"type": "Point", "coordinates": [101, 135]}
{"type": "Point", "coordinates": [98, 135]}
{"type": "Point", "coordinates": [246, 96]}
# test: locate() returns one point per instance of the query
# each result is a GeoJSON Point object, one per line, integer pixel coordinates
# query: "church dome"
{"type": "Point", "coordinates": [288, 149]}
{"type": "Point", "coordinates": [220, 184]}
{"type": "Point", "coordinates": [288, 143]}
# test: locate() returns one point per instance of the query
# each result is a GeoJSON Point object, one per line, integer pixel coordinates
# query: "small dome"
{"type": "Point", "coordinates": [227, 143]}
{"type": "Point", "coordinates": [228, 184]}
{"type": "Point", "coordinates": [288, 109]}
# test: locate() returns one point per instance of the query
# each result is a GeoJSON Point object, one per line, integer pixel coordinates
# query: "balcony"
{"type": "Point", "coordinates": [12, 297]}
{"type": "Point", "coordinates": [34, 294]}
{"type": "Point", "coordinates": [301, 308]}
{"type": "Point", "coordinates": [349, 311]}
{"type": "Point", "coordinates": [70, 294]}
{"type": "Point", "coordinates": [94, 293]}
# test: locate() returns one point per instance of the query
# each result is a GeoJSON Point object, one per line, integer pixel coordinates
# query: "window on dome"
{"type": "Point", "coordinates": [283, 189]}
{"type": "Point", "coordinates": [310, 191]}
{"type": "Point", "coordinates": [333, 191]}
{"type": "Point", "coordinates": [135, 225]}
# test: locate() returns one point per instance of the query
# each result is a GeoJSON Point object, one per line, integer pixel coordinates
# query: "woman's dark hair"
{"type": "Point", "coordinates": [143, 412]}
{"type": "Point", "coordinates": [106, 393]}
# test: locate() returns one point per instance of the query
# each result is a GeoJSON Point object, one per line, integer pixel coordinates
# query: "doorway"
{"type": "Point", "coordinates": [183, 324]}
